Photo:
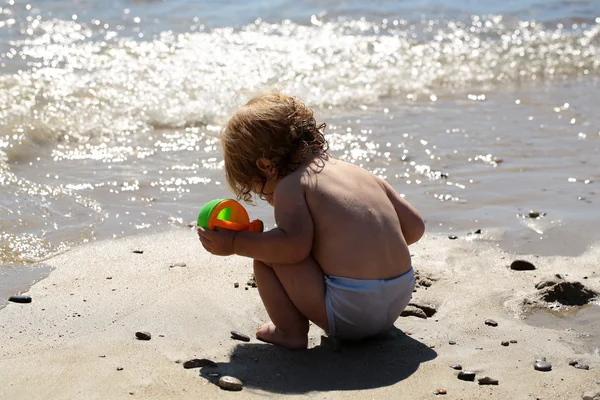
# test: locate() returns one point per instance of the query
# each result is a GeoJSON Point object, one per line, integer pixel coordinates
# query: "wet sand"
{"type": "Point", "coordinates": [80, 328]}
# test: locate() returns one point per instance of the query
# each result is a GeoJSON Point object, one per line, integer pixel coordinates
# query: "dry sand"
{"type": "Point", "coordinates": [80, 327]}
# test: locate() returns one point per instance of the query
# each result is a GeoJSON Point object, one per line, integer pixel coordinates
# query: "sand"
{"type": "Point", "coordinates": [80, 327]}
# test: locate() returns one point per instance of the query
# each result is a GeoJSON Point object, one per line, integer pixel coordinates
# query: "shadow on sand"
{"type": "Point", "coordinates": [378, 362]}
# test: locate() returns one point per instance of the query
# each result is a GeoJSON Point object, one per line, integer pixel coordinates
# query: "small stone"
{"type": "Point", "coordinates": [414, 312]}
{"type": "Point", "coordinates": [478, 232]}
{"type": "Point", "coordinates": [230, 383]}
{"type": "Point", "coordinates": [181, 265]}
{"type": "Point", "coordinates": [425, 282]}
{"type": "Point", "coordinates": [491, 322]}
{"type": "Point", "coordinates": [20, 299]}
{"type": "Point", "coordinates": [440, 391]}
{"type": "Point", "coordinates": [457, 367]}
{"type": "Point", "coordinates": [143, 335]}
{"type": "Point", "coordinates": [199, 363]}
{"type": "Point", "coordinates": [542, 365]}
{"type": "Point", "coordinates": [452, 343]}
{"type": "Point", "coordinates": [573, 363]}
{"type": "Point", "coordinates": [486, 380]}
{"type": "Point", "coordinates": [513, 341]}
{"type": "Point", "coordinates": [504, 343]}
{"type": "Point", "coordinates": [591, 395]}
{"type": "Point", "coordinates": [119, 368]}
{"type": "Point", "coordinates": [581, 366]}
{"type": "Point", "coordinates": [533, 214]}
{"type": "Point", "coordinates": [546, 283]}
{"type": "Point", "coordinates": [109, 277]}
{"type": "Point", "coordinates": [236, 285]}
{"type": "Point", "coordinates": [466, 376]}
{"type": "Point", "coordinates": [432, 346]}
{"type": "Point", "coordinates": [240, 336]}
{"type": "Point", "coordinates": [138, 251]}
{"type": "Point", "coordinates": [452, 237]}
{"type": "Point", "coordinates": [522, 265]}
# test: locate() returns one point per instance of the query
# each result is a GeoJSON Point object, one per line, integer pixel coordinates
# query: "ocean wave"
{"type": "Point", "coordinates": [85, 85]}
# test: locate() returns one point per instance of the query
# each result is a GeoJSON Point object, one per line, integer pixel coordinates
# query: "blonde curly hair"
{"type": "Point", "coordinates": [274, 126]}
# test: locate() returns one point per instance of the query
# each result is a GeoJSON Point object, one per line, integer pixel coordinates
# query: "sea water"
{"type": "Point", "coordinates": [478, 112]}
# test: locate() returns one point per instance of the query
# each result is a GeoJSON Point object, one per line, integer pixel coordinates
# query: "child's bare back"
{"type": "Point", "coordinates": [357, 231]}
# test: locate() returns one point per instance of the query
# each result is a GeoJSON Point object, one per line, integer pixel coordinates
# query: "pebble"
{"type": "Point", "coordinates": [414, 312]}
{"type": "Point", "coordinates": [513, 341]}
{"type": "Point", "coordinates": [505, 343]}
{"type": "Point", "coordinates": [426, 283]}
{"type": "Point", "coordinates": [452, 342]}
{"type": "Point", "coordinates": [198, 363]}
{"type": "Point", "coordinates": [440, 391]}
{"type": "Point", "coordinates": [119, 368]}
{"type": "Point", "coordinates": [236, 285]}
{"type": "Point", "coordinates": [491, 322]}
{"type": "Point", "coordinates": [456, 367]}
{"type": "Point", "coordinates": [252, 281]}
{"type": "Point", "coordinates": [486, 380]}
{"type": "Point", "coordinates": [240, 336]}
{"type": "Point", "coordinates": [143, 335]}
{"type": "Point", "coordinates": [452, 237]}
{"type": "Point", "coordinates": [542, 365]}
{"type": "Point", "coordinates": [522, 265]}
{"type": "Point", "coordinates": [466, 376]}
{"type": "Point", "coordinates": [181, 265]}
{"type": "Point", "coordinates": [230, 383]}
{"type": "Point", "coordinates": [573, 363]}
{"type": "Point", "coordinates": [138, 251]}
{"type": "Point", "coordinates": [20, 299]}
{"type": "Point", "coordinates": [533, 214]}
{"type": "Point", "coordinates": [591, 395]}
{"type": "Point", "coordinates": [581, 366]}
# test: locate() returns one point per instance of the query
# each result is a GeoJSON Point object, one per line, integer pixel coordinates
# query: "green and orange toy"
{"type": "Point", "coordinates": [227, 214]}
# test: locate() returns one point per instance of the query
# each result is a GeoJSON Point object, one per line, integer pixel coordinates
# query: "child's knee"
{"type": "Point", "coordinates": [260, 265]}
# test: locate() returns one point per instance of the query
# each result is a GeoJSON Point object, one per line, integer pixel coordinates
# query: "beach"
{"type": "Point", "coordinates": [77, 336]}
{"type": "Point", "coordinates": [480, 114]}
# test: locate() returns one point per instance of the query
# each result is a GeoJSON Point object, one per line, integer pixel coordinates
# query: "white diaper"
{"type": "Point", "coordinates": [359, 308]}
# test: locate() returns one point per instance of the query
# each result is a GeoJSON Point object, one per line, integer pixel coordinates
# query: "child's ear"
{"type": "Point", "coordinates": [265, 166]}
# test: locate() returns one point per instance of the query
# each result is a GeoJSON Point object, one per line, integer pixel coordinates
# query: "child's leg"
{"type": "Point", "coordinates": [292, 294]}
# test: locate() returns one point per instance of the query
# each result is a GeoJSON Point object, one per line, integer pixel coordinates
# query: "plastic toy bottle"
{"type": "Point", "coordinates": [227, 214]}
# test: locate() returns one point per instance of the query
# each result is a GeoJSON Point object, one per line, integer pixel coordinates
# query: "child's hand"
{"type": "Point", "coordinates": [219, 243]}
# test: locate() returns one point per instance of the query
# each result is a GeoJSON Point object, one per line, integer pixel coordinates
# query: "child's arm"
{"type": "Point", "coordinates": [289, 243]}
{"type": "Point", "coordinates": [411, 222]}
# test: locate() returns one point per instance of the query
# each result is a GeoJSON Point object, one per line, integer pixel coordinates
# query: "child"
{"type": "Point", "coordinates": [339, 255]}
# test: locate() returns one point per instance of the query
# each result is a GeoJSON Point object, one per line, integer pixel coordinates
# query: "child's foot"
{"type": "Point", "coordinates": [269, 333]}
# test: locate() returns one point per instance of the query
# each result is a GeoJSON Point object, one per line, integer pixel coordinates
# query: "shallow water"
{"type": "Point", "coordinates": [583, 320]}
{"type": "Point", "coordinates": [476, 112]}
